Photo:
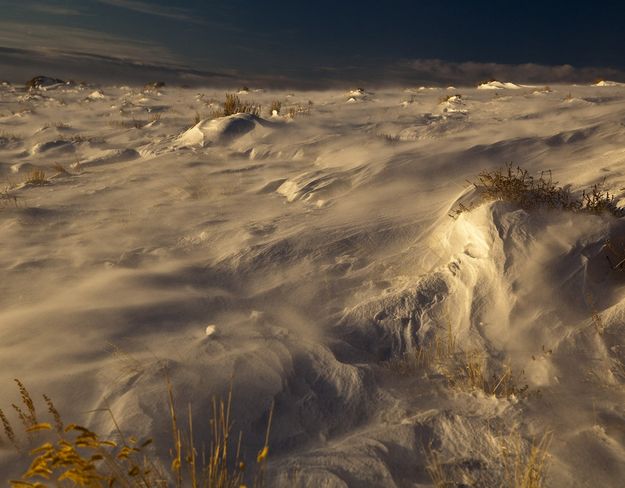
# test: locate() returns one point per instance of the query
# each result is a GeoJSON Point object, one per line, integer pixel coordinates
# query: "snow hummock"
{"type": "Point", "coordinates": [223, 129]}
{"type": "Point", "coordinates": [498, 85]}
{"type": "Point", "coordinates": [453, 104]}
{"type": "Point", "coordinates": [96, 95]}
{"type": "Point", "coordinates": [608, 83]}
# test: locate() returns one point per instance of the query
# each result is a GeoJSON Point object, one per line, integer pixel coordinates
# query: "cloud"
{"type": "Point", "coordinates": [43, 37]}
{"type": "Point", "coordinates": [174, 13]}
{"type": "Point", "coordinates": [51, 9]}
{"type": "Point", "coordinates": [19, 65]}
{"type": "Point", "coordinates": [473, 72]}
{"type": "Point", "coordinates": [438, 72]}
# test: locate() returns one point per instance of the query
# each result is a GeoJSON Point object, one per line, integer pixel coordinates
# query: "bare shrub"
{"type": "Point", "coordinates": [517, 186]}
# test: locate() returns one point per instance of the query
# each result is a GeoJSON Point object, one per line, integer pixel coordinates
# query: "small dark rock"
{"type": "Point", "coordinates": [43, 82]}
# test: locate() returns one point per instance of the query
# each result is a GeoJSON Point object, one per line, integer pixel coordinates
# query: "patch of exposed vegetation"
{"type": "Point", "coordinates": [129, 123]}
{"type": "Point", "coordinates": [233, 105]}
{"type": "Point", "coordinates": [7, 199]}
{"type": "Point", "coordinates": [153, 86]}
{"type": "Point", "coordinates": [36, 177]}
{"type": "Point", "coordinates": [521, 465]}
{"type": "Point", "coordinates": [462, 370]}
{"type": "Point", "coordinates": [517, 186]}
{"type": "Point", "coordinates": [275, 106]}
{"type": "Point", "coordinates": [73, 455]}
{"type": "Point", "coordinates": [298, 110]}
{"type": "Point", "coordinates": [60, 169]}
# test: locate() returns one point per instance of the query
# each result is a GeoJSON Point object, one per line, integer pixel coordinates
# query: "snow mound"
{"type": "Point", "coordinates": [357, 95]}
{"type": "Point", "coordinates": [110, 156]}
{"type": "Point", "coordinates": [57, 146]}
{"type": "Point", "coordinates": [96, 95]}
{"type": "Point", "coordinates": [453, 105]}
{"type": "Point", "coordinates": [608, 83]}
{"type": "Point", "coordinates": [218, 131]}
{"type": "Point", "coordinates": [498, 85]}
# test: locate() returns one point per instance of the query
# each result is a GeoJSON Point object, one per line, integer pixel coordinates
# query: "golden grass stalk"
{"type": "Point", "coordinates": [526, 468]}
{"type": "Point", "coordinates": [435, 469]}
{"type": "Point", "coordinates": [82, 457]}
{"type": "Point", "coordinates": [234, 105]}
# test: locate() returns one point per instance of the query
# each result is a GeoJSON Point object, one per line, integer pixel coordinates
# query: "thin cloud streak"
{"type": "Point", "coordinates": [52, 9]}
{"type": "Point", "coordinates": [173, 13]}
{"type": "Point", "coordinates": [44, 37]}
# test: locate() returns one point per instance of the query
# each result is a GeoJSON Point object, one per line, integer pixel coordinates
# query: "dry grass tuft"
{"type": "Point", "coordinates": [298, 110]}
{"type": "Point", "coordinates": [436, 471]}
{"type": "Point", "coordinates": [74, 455]}
{"type": "Point", "coordinates": [233, 105]}
{"type": "Point", "coordinates": [36, 177]}
{"type": "Point", "coordinates": [7, 198]}
{"type": "Point", "coordinates": [463, 370]}
{"type": "Point", "coordinates": [275, 106]}
{"type": "Point", "coordinates": [390, 138]}
{"type": "Point", "coordinates": [519, 466]}
{"type": "Point", "coordinates": [129, 124]}
{"type": "Point", "coordinates": [154, 117]}
{"type": "Point", "coordinates": [526, 467]}
{"type": "Point", "coordinates": [60, 169]}
{"type": "Point", "coordinates": [517, 186]}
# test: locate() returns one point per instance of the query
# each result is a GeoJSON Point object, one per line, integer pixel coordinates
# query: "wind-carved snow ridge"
{"type": "Point", "coordinates": [511, 288]}
{"type": "Point", "coordinates": [321, 187]}
{"type": "Point", "coordinates": [490, 252]}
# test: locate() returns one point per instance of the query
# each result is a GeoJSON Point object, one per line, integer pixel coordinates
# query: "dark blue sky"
{"type": "Point", "coordinates": [298, 39]}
